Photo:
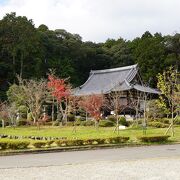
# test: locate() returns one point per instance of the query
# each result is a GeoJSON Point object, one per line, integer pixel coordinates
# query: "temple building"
{"type": "Point", "coordinates": [126, 81]}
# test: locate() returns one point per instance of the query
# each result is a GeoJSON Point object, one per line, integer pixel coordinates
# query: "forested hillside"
{"type": "Point", "coordinates": [29, 52]}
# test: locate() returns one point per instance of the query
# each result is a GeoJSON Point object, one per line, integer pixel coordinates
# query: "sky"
{"type": "Point", "coordinates": [98, 20]}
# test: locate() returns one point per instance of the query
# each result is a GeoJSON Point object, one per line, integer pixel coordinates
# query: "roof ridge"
{"type": "Point", "coordinates": [114, 69]}
{"type": "Point", "coordinates": [131, 74]}
{"type": "Point", "coordinates": [91, 75]}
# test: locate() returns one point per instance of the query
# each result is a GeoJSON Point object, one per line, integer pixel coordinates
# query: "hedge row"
{"type": "Point", "coordinates": [12, 144]}
{"type": "Point", "coordinates": [151, 139]}
{"type": "Point", "coordinates": [16, 144]}
{"type": "Point", "coordinates": [30, 137]}
{"type": "Point", "coordinates": [77, 142]}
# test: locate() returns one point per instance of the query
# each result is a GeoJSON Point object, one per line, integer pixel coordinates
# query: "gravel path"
{"type": "Point", "coordinates": [149, 169]}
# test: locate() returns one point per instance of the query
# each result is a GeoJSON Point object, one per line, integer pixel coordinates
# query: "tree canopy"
{"type": "Point", "coordinates": [29, 52]}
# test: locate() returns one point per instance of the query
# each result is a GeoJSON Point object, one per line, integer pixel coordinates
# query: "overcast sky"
{"type": "Point", "coordinates": [97, 20]}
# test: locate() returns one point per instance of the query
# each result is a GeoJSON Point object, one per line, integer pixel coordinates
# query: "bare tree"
{"type": "Point", "coordinates": [8, 113]}
{"type": "Point", "coordinates": [34, 93]}
{"type": "Point", "coordinates": [114, 102]}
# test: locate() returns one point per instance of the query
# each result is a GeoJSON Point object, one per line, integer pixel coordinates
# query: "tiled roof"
{"type": "Point", "coordinates": [105, 81]}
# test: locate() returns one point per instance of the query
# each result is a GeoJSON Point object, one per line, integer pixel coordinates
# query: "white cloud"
{"type": "Point", "coordinates": [97, 20]}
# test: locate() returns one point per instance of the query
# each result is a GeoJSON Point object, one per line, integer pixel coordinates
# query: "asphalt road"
{"type": "Point", "coordinates": [150, 162]}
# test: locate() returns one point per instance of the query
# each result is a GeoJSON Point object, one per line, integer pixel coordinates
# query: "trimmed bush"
{"type": "Point", "coordinates": [71, 117]}
{"type": "Point", "coordinates": [106, 123]}
{"type": "Point", "coordinates": [56, 123]}
{"type": "Point", "coordinates": [50, 123]}
{"type": "Point", "coordinates": [21, 122]}
{"type": "Point", "coordinates": [111, 118]}
{"type": "Point", "coordinates": [13, 144]}
{"type": "Point", "coordinates": [49, 143]}
{"type": "Point", "coordinates": [77, 122]}
{"type": "Point", "coordinates": [39, 144]}
{"type": "Point", "coordinates": [88, 123]}
{"type": "Point", "coordinates": [70, 142]}
{"type": "Point", "coordinates": [157, 124]}
{"type": "Point", "coordinates": [18, 145]}
{"type": "Point", "coordinates": [177, 121]}
{"type": "Point", "coordinates": [93, 141]}
{"type": "Point", "coordinates": [116, 140]}
{"type": "Point", "coordinates": [80, 118]}
{"type": "Point", "coordinates": [122, 121]}
{"type": "Point", "coordinates": [151, 139]}
{"type": "Point", "coordinates": [3, 145]}
{"type": "Point", "coordinates": [164, 120]}
{"type": "Point", "coordinates": [70, 123]}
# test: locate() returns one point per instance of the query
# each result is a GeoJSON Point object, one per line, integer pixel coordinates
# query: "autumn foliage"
{"type": "Point", "coordinates": [92, 104]}
{"type": "Point", "coordinates": [59, 88]}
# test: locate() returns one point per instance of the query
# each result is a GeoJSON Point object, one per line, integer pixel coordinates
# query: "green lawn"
{"type": "Point", "coordinates": [83, 132]}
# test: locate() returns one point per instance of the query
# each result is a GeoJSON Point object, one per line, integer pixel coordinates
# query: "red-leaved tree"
{"type": "Point", "coordinates": [61, 91]}
{"type": "Point", "coordinates": [93, 104]}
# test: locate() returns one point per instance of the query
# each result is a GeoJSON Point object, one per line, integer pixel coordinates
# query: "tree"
{"type": "Point", "coordinates": [34, 94]}
{"type": "Point", "coordinates": [8, 113]}
{"type": "Point", "coordinates": [3, 113]}
{"type": "Point", "coordinates": [61, 90]}
{"type": "Point", "coordinates": [93, 104]}
{"type": "Point", "coordinates": [169, 85]}
{"type": "Point", "coordinates": [172, 47]}
{"type": "Point", "coordinates": [15, 94]}
{"type": "Point", "coordinates": [18, 40]}
{"type": "Point", "coordinates": [150, 53]}
{"type": "Point", "coordinates": [114, 103]}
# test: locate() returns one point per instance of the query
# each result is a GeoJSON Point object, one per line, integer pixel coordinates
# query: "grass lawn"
{"type": "Point", "coordinates": [84, 132]}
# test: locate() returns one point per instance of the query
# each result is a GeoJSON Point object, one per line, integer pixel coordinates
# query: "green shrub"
{"type": "Point", "coordinates": [177, 120]}
{"type": "Point", "coordinates": [77, 122]}
{"type": "Point", "coordinates": [151, 139]}
{"type": "Point", "coordinates": [93, 141]}
{"type": "Point", "coordinates": [18, 144]}
{"type": "Point", "coordinates": [3, 145]}
{"type": "Point", "coordinates": [50, 123]}
{"type": "Point", "coordinates": [111, 118]}
{"type": "Point", "coordinates": [49, 143]}
{"type": "Point", "coordinates": [21, 122]}
{"type": "Point", "coordinates": [157, 124]}
{"type": "Point", "coordinates": [88, 123]}
{"type": "Point", "coordinates": [39, 144]}
{"type": "Point", "coordinates": [23, 111]}
{"type": "Point", "coordinates": [80, 118]}
{"type": "Point", "coordinates": [116, 140]}
{"type": "Point", "coordinates": [122, 121]}
{"type": "Point", "coordinates": [70, 123]}
{"type": "Point", "coordinates": [163, 120]}
{"type": "Point", "coordinates": [69, 142]}
{"type": "Point", "coordinates": [106, 123]}
{"type": "Point", "coordinates": [70, 117]}
{"type": "Point", "coordinates": [56, 123]}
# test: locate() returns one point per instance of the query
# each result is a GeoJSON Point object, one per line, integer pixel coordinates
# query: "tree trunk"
{"type": "Point", "coordinates": [96, 125]}
{"type": "Point", "coordinates": [3, 124]}
{"type": "Point", "coordinates": [21, 67]}
{"type": "Point", "coordinates": [52, 113]}
{"type": "Point", "coordinates": [144, 120]}
{"type": "Point", "coordinates": [172, 121]}
{"type": "Point", "coordinates": [14, 68]}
